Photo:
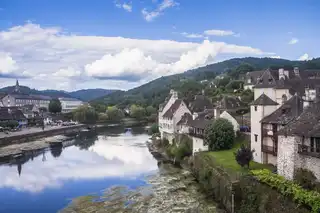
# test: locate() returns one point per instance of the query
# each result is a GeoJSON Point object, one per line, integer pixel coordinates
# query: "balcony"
{"type": "Point", "coordinates": [269, 149]}
{"type": "Point", "coordinates": [309, 151]}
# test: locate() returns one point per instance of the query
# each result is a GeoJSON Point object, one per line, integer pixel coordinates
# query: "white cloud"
{"type": "Point", "coordinates": [126, 6]}
{"type": "Point", "coordinates": [191, 35]}
{"type": "Point", "coordinates": [304, 57]}
{"type": "Point", "coordinates": [7, 64]}
{"type": "Point", "coordinates": [276, 56]}
{"type": "Point", "coordinates": [151, 15]}
{"type": "Point", "coordinates": [219, 33]}
{"type": "Point", "coordinates": [293, 41]}
{"type": "Point", "coordinates": [51, 55]}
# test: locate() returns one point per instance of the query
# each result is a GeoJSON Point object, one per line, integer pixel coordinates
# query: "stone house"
{"type": "Point", "coordinates": [170, 113]}
{"type": "Point", "coordinates": [280, 101]}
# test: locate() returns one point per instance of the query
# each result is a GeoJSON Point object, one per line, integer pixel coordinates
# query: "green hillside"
{"type": "Point", "coordinates": [154, 92]}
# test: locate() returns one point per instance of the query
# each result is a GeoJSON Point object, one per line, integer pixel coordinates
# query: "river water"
{"type": "Point", "coordinates": [108, 171]}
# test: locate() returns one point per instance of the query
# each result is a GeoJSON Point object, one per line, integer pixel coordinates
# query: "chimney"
{"type": "Point", "coordinates": [194, 115]}
{"type": "Point", "coordinates": [281, 73]}
{"type": "Point", "coordinates": [216, 113]}
{"type": "Point", "coordinates": [296, 71]}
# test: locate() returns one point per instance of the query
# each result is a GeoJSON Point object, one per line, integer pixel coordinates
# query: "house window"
{"type": "Point", "coordinates": [256, 138]}
{"type": "Point", "coordinates": [255, 108]}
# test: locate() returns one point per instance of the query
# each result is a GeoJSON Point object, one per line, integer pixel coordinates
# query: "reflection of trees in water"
{"type": "Point", "coordinates": [56, 151]}
{"type": "Point", "coordinates": [118, 130]}
{"type": "Point", "coordinates": [86, 139]}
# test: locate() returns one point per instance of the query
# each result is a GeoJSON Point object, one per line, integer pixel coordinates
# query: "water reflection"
{"type": "Point", "coordinates": [91, 157]}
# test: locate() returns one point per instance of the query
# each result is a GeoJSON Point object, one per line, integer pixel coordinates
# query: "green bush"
{"type": "Point", "coordinates": [289, 188]}
{"type": "Point", "coordinates": [154, 129]}
{"type": "Point", "coordinates": [305, 178]}
{"type": "Point", "coordinates": [219, 135]}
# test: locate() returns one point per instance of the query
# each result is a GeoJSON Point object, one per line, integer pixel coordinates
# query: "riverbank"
{"type": "Point", "coordinates": [26, 135]}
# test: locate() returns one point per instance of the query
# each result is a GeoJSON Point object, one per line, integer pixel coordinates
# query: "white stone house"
{"type": "Point", "coordinates": [170, 113]}
{"type": "Point", "coordinates": [280, 101]}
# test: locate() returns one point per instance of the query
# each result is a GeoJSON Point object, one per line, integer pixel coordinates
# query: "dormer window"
{"type": "Point", "coordinates": [270, 80]}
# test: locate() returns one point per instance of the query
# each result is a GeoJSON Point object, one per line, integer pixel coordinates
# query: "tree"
{"type": "Point", "coordinates": [154, 129]}
{"type": "Point", "coordinates": [85, 114]}
{"type": "Point", "coordinates": [241, 69]}
{"type": "Point", "coordinates": [99, 107]}
{"type": "Point", "coordinates": [219, 135]}
{"type": "Point", "coordinates": [114, 114]}
{"type": "Point", "coordinates": [137, 112]}
{"type": "Point", "coordinates": [222, 82]}
{"type": "Point", "coordinates": [247, 96]}
{"type": "Point", "coordinates": [244, 155]}
{"type": "Point", "coordinates": [55, 106]}
{"type": "Point", "coordinates": [150, 110]}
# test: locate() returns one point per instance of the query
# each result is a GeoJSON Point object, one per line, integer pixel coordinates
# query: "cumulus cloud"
{"type": "Point", "coordinates": [304, 57]}
{"type": "Point", "coordinates": [219, 33]}
{"type": "Point", "coordinates": [151, 15]}
{"type": "Point", "coordinates": [51, 55]}
{"type": "Point", "coordinates": [293, 41]}
{"type": "Point", "coordinates": [126, 5]}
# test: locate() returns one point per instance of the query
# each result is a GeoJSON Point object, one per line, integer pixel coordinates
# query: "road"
{"type": "Point", "coordinates": [30, 130]}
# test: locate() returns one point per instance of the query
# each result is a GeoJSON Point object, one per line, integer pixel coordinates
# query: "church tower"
{"type": "Point", "coordinates": [17, 87]}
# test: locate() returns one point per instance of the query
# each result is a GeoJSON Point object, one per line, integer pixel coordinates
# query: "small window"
{"type": "Point", "coordinates": [256, 138]}
{"type": "Point", "coordinates": [255, 108]}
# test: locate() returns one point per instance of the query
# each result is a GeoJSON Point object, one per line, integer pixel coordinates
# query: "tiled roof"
{"type": "Point", "coordinates": [30, 97]}
{"type": "Point", "coordinates": [185, 119]}
{"type": "Point", "coordinates": [203, 119]}
{"type": "Point", "coordinates": [254, 75]}
{"type": "Point", "coordinates": [231, 103]}
{"type": "Point", "coordinates": [289, 111]}
{"type": "Point", "coordinates": [170, 112]}
{"type": "Point", "coordinates": [200, 103]}
{"type": "Point", "coordinates": [307, 124]}
{"type": "Point", "coordinates": [11, 114]}
{"type": "Point", "coordinates": [264, 100]}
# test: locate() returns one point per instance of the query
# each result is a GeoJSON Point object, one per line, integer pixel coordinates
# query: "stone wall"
{"type": "Point", "coordinates": [289, 159]}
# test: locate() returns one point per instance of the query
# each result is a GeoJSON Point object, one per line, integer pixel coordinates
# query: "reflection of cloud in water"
{"type": "Point", "coordinates": [114, 157]}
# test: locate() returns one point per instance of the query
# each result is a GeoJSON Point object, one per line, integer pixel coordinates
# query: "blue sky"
{"type": "Point", "coordinates": [132, 42]}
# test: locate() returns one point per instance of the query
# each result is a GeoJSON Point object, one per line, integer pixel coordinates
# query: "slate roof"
{"type": "Point", "coordinates": [307, 124]}
{"type": "Point", "coordinates": [254, 75]}
{"type": "Point", "coordinates": [11, 114]}
{"type": "Point", "coordinates": [264, 100]}
{"type": "Point", "coordinates": [231, 103]}
{"type": "Point", "coordinates": [286, 113]}
{"type": "Point", "coordinates": [30, 97]}
{"type": "Point", "coordinates": [185, 119]}
{"type": "Point", "coordinates": [203, 119]}
{"type": "Point", "coordinates": [170, 112]}
{"type": "Point", "coordinates": [200, 103]}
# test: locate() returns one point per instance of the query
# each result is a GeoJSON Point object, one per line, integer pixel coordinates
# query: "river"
{"type": "Point", "coordinates": [108, 171]}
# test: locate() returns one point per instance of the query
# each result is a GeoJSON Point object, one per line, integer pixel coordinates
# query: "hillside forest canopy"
{"type": "Point", "coordinates": [201, 81]}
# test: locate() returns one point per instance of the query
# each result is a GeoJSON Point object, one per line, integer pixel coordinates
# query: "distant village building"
{"type": "Point", "coordinates": [284, 120]}
{"type": "Point", "coordinates": [176, 117]}
{"type": "Point", "coordinates": [13, 114]}
{"type": "Point", "coordinates": [69, 104]}
{"type": "Point", "coordinates": [16, 98]}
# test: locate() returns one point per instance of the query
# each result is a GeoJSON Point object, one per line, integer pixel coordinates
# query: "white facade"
{"type": "Point", "coordinates": [257, 113]}
{"type": "Point", "coordinates": [69, 104]}
{"type": "Point", "coordinates": [168, 126]}
{"type": "Point", "coordinates": [198, 146]}
{"type": "Point", "coordinates": [232, 120]}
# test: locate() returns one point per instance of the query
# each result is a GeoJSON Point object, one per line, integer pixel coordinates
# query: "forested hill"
{"type": "Point", "coordinates": [84, 94]}
{"type": "Point", "coordinates": [154, 92]}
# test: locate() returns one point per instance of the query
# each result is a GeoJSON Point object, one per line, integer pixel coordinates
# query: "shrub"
{"type": "Point", "coordinates": [219, 135]}
{"type": "Point", "coordinates": [289, 188]}
{"type": "Point", "coordinates": [244, 155]}
{"type": "Point", "coordinates": [305, 178]}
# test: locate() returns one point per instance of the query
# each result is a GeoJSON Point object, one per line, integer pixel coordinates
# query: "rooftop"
{"type": "Point", "coordinates": [264, 100]}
